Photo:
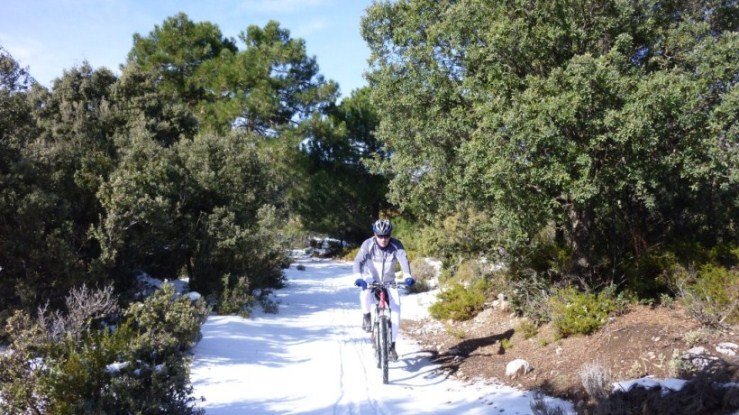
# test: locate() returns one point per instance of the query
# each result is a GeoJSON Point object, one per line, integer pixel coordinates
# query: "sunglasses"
{"type": "Point", "coordinates": [383, 236]}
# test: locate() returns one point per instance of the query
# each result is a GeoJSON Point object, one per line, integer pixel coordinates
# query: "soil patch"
{"type": "Point", "coordinates": [639, 343]}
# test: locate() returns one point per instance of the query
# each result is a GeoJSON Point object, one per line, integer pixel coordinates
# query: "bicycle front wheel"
{"type": "Point", "coordinates": [377, 342]}
{"type": "Point", "coordinates": [385, 345]}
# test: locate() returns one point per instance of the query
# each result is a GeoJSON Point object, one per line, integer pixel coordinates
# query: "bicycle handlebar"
{"type": "Point", "coordinates": [359, 282]}
{"type": "Point", "coordinates": [393, 284]}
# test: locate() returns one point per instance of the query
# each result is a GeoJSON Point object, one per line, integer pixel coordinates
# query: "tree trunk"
{"type": "Point", "coordinates": [581, 220]}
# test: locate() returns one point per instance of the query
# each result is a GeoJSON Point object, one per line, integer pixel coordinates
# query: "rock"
{"type": "Point", "coordinates": [697, 351]}
{"type": "Point", "coordinates": [699, 357]}
{"type": "Point", "coordinates": [517, 367]}
{"type": "Point", "coordinates": [729, 349]}
{"type": "Point", "coordinates": [558, 351]}
{"type": "Point", "coordinates": [502, 305]}
{"type": "Point", "coordinates": [484, 315]}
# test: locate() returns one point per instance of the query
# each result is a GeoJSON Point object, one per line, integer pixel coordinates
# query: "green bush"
{"type": "Point", "coordinates": [415, 237]}
{"type": "Point", "coordinates": [139, 366]}
{"type": "Point", "coordinates": [235, 297]}
{"type": "Point", "coordinates": [459, 302]}
{"type": "Point", "coordinates": [711, 294]}
{"type": "Point", "coordinates": [575, 312]}
{"type": "Point", "coordinates": [650, 275]}
{"type": "Point", "coordinates": [167, 322]}
{"type": "Point", "coordinates": [528, 329]}
{"type": "Point", "coordinates": [506, 344]}
{"type": "Point", "coordinates": [545, 255]}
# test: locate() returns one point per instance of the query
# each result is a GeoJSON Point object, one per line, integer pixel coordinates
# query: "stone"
{"type": "Point", "coordinates": [697, 351]}
{"type": "Point", "coordinates": [517, 367]}
{"type": "Point", "coordinates": [484, 315]}
{"type": "Point", "coordinates": [699, 357]}
{"type": "Point", "coordinates": [729, 349]}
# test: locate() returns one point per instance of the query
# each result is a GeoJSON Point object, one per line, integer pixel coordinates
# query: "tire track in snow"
{"type": "Point", "coordinates": [260, 365]}
{"type": "Point", "coordinates": [361, 348]}
{"type": "Point", "coordinates": [353, 409]}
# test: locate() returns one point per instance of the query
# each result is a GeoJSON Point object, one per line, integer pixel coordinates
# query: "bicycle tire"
{"type": "Point", "coordinates": [384, 337]}
{"type": "Point", "coordinates": [376, 341]}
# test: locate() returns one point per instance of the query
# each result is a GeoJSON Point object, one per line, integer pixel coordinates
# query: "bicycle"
{"type": "Point", "coordinates": [381, 326]}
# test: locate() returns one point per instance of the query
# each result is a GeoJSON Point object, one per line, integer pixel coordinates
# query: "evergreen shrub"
{"type": "Point", "coordinates": [134, 365]}
{"type": "Point", "coordinates": [236, 297]}
{"type": "Point", "coordinates": [650, 275]}
{"type": "Point", "coordinates": [711, 294]}
{"type": "Point", "coordinates": [575, 312]}
{"type": "Point", "coordinates": [528, 329]}
{"type": "Point", "coordinates": [460, 303]}
{"type": "Point", "coordinates": [416, 238]}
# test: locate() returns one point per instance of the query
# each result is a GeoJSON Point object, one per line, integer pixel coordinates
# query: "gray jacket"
{"type": "Point", "coordinates": [379, 263]}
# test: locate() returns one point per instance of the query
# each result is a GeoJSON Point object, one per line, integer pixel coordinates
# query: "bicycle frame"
{"type": "Point", "coordinates": [381, 326]}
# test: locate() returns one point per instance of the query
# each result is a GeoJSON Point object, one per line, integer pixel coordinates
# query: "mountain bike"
{"type": "Point", "coordinates": [381, 326]}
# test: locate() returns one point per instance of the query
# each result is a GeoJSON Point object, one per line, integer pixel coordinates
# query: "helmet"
{"type": "Point", "coordinates": [382, 227]}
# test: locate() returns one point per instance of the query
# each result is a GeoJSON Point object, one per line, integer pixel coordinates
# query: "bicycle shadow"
{"type": "Point", "coordinates": [446, 364]}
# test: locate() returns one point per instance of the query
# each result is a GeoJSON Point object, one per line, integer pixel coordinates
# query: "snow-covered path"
{"type": "Point", "coordinates": [313, 358]}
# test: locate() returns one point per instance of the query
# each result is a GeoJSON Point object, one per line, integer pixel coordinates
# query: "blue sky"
{"type": "Point", "coordinates": [50, 36]}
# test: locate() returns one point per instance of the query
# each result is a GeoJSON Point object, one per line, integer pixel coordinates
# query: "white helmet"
{"type": "Point", "coordinates": [382, 227]}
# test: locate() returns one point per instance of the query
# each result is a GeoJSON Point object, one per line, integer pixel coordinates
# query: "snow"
{"type": "Point", "coordinates": [648, 382]}
{"type": "Point", "coordinates": [313, 358]}
{"type": "Point", "coordinates": [116, 367]}
{"type": "Point", "coordinates": [180, 284]}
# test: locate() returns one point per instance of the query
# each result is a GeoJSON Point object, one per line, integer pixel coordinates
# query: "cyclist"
{"type": "Point", "coordinates": [375, 261]}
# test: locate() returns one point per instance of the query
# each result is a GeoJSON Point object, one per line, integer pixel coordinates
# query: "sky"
{"type": "Point", "coordinates": [49, 36]}
{"type": "Point", "coordinates": [313, 358]}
